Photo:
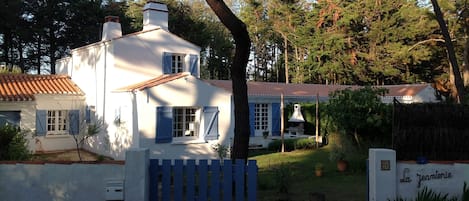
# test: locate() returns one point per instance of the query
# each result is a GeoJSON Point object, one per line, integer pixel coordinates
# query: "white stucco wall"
{"type": "Point", "coordinates": [87, 66]}
{"type": "Point", "coordinates": [117, 134]}
{"type": "Point", "coordinates": [389, 179]}
{"type": "Point", "coordinates": [25, 182]}
{"type": "Point", "coordinates": [139, 57]}
{"type": "Point", "coordinates": [188, 91]}
{"type": "Point", "coordinates": [440, 178]}
{"type": "Point", "coordinates": [57, 102]}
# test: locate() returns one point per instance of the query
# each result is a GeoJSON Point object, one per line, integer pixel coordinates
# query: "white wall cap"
{"type": "Point", "coordinates": [153, 5]}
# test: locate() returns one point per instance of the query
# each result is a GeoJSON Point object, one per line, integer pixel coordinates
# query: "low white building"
{"type": "Point", "coordinates": [49, 108]}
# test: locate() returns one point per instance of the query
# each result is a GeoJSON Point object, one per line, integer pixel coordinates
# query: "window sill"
{"type": "Point", "coordinates": [58, 136]}
{"type": "Point", "coordinates": [181, 142]}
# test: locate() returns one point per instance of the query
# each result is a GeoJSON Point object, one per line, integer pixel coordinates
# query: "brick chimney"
{"type": "Point", "coordinates": [155, 15]}
{"type": "Point", "coordinates": [111, 28]}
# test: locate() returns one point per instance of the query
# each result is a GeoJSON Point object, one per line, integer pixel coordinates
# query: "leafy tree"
{"type": "Point", "coordinates": [238, 69]}
{"type": "Point", "coordinates": [13, 144]}
{"type": "Point", "coordinates": [369, 42]}
{"type": "Point", "coordinates": [87, 130]}
{"type": "Point", "coordinates": [13, 34]}
{"type": "Point", "coordinates": [455, 76]}
{"type": "Point", "coordinates": [360, 113]}
{"type": "Point", "coordinates": [255, 15]}
{"type": "Point", "coordinates": [456, 83]}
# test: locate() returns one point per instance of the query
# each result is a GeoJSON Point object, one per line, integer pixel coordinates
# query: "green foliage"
{"type": "Point", "coordinates": [276, 145]}
{"type": "Point", "coordinates": [465, 193]}
{"type": "Point", "coordinates": [360, 113]}
{"type": "Point", "coordinates": [222, 150]}
{"type": "Point", "coordinates": [430, 195]}
{"type": "Point", "coordinates": [13, 144]}
{"type": "Point", "coordinates": [283, 178]}
{"type": "Point", "coordinates": [305, 143]}
{"type": "Point", "coordinates": [292, 144]}
{"type": "Point", "coordinates": [319, 166]}
{"type": "Point", "coordinates": [340, 147]}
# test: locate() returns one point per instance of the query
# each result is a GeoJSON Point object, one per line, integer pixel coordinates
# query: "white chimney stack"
{"type": "Point", "coordinates": [155, 15]}
{"type": "Point", "coordinates": [111, 28]}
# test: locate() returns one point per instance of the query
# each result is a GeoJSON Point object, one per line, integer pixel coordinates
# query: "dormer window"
{"type": "Point", "coordinates": [179, 62]}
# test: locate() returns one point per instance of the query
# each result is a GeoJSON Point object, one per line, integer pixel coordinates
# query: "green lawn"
{"type": "Point", "coordinates": [300, 180]}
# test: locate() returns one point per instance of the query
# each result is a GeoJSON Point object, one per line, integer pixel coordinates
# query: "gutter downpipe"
{"type": "Point", "coordinates": [104, 81]}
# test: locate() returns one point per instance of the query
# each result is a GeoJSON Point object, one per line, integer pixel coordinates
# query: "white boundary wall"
{"type": "Point", "coordinates": [78, 181]}
{"type": "Point", "coordinates": [404, 179]}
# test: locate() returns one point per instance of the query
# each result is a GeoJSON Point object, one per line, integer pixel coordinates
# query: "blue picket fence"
{"type": "Point", "coordinates": [186, 180]}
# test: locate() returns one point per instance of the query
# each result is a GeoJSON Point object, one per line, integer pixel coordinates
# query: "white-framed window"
{"type": "Point", "coordinates": [186, 122]}
{"type": "Point", "coordinates": [57, 122]}
{"type": "Point", "coordinates": [177, 63]}
{"type": "Point", "coordinates": [261, 116]}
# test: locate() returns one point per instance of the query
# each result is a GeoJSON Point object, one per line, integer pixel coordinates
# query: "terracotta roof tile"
{"type": "Point", "coordinates": [23, 87]}
{"type": "Point", "coordinates": [153, 82]}
{"type": "Point", "coordinates": [275, 89]}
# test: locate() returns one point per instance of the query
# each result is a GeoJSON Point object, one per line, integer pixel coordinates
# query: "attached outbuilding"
{"type": "Point", "coordinates": [49, 108]}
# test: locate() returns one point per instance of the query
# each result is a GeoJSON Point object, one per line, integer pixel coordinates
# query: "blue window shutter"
{"type": "Point", "coordinates": [211, 123]}
{"type": "Point", "coordinates": [276, 119]}
{"type": "Point", "coordinates": [87, 114]}
{"type": "Point", "coordinates": [193, 60]}
{"type": "Point", "coordinates": [167, 61]}
{"type": "Point", "coordinates": [74, 119]}
{"type": "Point", "coordinates": [164, 124]}
{"type": "Point", "coordinates": [252, 107]}
{"type": "Point", "coordinates": [41, 116]}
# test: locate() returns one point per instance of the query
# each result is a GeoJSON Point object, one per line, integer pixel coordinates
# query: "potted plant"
{"type": "Point", "coordinates": [265, 134]}
{"type": "Point", "coordinates": [337, 154]}
{"type": "Point", "coordinates": [319, 168]}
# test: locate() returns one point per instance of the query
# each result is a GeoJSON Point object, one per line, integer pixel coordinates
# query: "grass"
{"type": "Point", "coordinates": [295, 172]}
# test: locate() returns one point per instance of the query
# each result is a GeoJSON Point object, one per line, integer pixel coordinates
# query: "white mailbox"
{"type": "Point", "coordinates": [114, 190]}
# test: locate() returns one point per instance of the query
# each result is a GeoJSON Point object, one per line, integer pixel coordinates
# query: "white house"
{"type": "Point", "coordinates": [108, 70]}
{"type": "Point", "coordinates": [145, 88]}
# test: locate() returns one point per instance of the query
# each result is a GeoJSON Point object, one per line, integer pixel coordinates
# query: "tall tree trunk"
{"type": "Point", "coordinates": [38, 55]}
{"type": "Point", "coordinates": [465, 65]}
{"type": "Point", "coordinates": [285, 43]}
{"type": "Point", "coordinates": [456, 82]}
{"type": "Point", "coordinates": [238, 76]}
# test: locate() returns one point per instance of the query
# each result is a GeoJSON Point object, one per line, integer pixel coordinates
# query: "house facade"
{"type": "Point", "coordinates": [107, 70]}
{"type": "Point", "coordinates": [145, 90]}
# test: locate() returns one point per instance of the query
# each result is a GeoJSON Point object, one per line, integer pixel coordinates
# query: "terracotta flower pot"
{"type": "Point", "coordinates": [342, 165]}
{"type": "Point", "coordinates": [318, 173]}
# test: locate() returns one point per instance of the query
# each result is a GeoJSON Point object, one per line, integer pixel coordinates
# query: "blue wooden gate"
{"type": "Point", "coordinates": [184, 180]}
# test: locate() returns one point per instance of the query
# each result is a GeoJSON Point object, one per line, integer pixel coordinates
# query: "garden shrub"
{"type": "Point", "coordinates": [283, 177]}
{"type": "Point", "coordinates": [305, 143]}
{"type": "Point", "coordinates": [430, 195]}
{"type": "Point", "coordinates": [13, 144]}
{"type": "Point", "coordinates": [360, 114]}
{"type": "Point", "coordinates": [292, 144]}
{"type": "Point", "coordinates": [276, 145]}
